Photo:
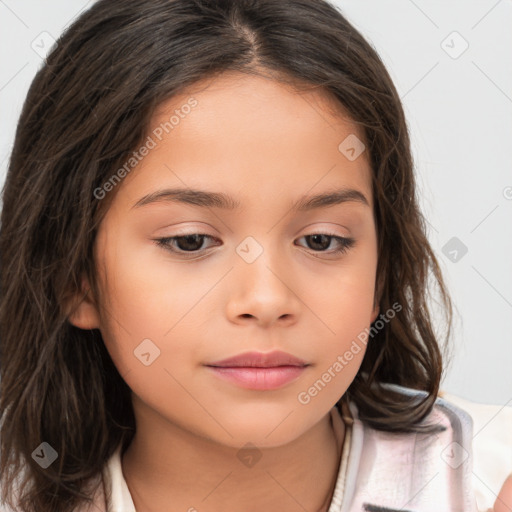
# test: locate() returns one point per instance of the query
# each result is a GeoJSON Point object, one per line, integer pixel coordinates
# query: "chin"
{"type": "Point", "coordinates": [264, 430]}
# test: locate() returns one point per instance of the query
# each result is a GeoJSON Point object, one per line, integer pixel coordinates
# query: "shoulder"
{"type": "Point", "coordinates": [421, 472]}
{"type": "Point", "coordinates": [491, 444]}
{"type": "Point", "coordinates": [449, 416]}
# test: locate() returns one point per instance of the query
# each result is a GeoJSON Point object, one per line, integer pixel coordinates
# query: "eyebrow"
{"type": "Point", "coordinates": [223, 201]}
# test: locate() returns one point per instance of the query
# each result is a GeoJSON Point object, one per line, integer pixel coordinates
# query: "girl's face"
{"type": "Point", "coordinates": [264, 275]}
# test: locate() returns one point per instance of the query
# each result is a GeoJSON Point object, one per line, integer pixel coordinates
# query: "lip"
{"type": "Point", "coordinates": [260, 360]}
{"type": "Point", "coordinates": [259, 371]}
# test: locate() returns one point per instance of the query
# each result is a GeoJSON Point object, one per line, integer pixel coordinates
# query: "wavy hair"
{"type": "Point", "coordinates": [87, 109]}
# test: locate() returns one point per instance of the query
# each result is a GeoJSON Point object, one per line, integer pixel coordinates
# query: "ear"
{"type": "Point", "coordinates": [83, 311]}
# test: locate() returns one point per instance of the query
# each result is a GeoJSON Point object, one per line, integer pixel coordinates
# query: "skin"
{"type": "Point", "coordinates": [503, 502]}
{"type": "Point", "coordinates": [266, 145]}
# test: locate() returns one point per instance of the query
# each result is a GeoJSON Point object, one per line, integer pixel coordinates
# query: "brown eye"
{"type": "Point", "coordinates": [193, 243]}
{"type": "Point", "coordinates": [189, 242]}
{"type": "Point", "coordinates": [320, 242]}
{"type": "Point", "coordinates": [184, 243]}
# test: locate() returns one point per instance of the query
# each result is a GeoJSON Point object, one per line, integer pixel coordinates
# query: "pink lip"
{"type": "Point", "coordinates": [259, 378]}
{"type": "Point", "coordinates": [260, 360]}
{"type": "Point", "coordinates": [260, 371]}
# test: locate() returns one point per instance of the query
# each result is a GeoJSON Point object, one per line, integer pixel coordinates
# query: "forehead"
{"type": "Point", "coordinates": [253, 133]}
{"type": "Point", "coordinates": [240, 97]}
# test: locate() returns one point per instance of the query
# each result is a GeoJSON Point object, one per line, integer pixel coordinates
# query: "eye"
{"type": "Point", "coordinates": [321, 241]}
{"type": "Point", "coordinates": [193, 243]}
{"type": "Point", "coordinates": [185, 243]}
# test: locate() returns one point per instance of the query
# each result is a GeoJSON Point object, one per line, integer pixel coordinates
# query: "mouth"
{"type": "Point", "coordinates": [259, 371]}
{"type": "Point", "coordinates": [259, 360]}
{"type": "Point", "coordinates": [263, 379]}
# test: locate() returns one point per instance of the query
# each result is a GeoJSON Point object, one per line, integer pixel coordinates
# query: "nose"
{"type": "Point", "coordinates": [263, 293]}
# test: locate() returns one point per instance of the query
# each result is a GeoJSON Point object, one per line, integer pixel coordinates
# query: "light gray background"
{"type": "Point", "coordinates": [459, 107]}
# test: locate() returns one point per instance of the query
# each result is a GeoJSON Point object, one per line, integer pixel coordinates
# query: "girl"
{"type": "Point", "coordinates": [175, 336]}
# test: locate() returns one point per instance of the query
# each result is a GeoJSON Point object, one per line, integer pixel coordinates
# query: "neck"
{"type": "Point", "coordinates": [166, 464]}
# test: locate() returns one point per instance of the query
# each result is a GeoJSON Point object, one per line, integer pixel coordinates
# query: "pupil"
{"type": "Point", "coordinates": [191, 242]}
{"type": "Point", "coordinates": [315, 240]}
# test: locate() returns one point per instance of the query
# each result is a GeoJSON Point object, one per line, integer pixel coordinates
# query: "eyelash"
{"type": "Point", "coordinates": [165, 243]}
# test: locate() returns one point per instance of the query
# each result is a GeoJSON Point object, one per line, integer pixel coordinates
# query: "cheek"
{"type": "Point", "coordinates": [344, 304]}
{"type": "Point", "coordinates": [345, 298]}
{"type": "Point", "coordinates": [155, 307]}
{"type": "Point", "coordinates": [147, 293]}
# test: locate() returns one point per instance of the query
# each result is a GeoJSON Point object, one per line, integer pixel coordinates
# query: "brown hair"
{"type": "Point", "coordinates": [87, 110]}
